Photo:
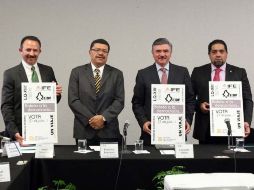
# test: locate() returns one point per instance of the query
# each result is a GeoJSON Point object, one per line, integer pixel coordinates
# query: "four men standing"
{"type": "Point", "coordinates": [96, 90]}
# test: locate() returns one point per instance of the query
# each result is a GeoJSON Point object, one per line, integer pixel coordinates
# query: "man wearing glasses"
{"type": "Point", "coordinates": [96, 97]}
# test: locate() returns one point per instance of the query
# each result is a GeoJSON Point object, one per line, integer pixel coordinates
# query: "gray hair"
{"type": "Point", "coordinates": [161, 41]}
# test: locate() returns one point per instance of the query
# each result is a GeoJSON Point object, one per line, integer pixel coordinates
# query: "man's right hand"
{"type": "Point", "coordinates": [204, 107]}
{"type": "Point", "coordinates": [146, 127]}
{"type": "Point", "coordinates": [19, 138]}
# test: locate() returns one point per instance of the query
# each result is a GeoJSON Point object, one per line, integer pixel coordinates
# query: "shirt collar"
{"type": "Point", "coordinates": [101, 68]}
{"type": "Point", "coordinates": [158, 67]}
{"type": "Point", "coordinates": [28, 66]}
{"type": "Point", "coordinates": [223, 67]}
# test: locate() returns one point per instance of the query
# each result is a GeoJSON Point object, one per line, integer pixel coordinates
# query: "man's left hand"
{"type": "Point", "coordinates": [96, 122]}
{"type": "Point", "coordinates": [59, 89]}
{"type": "Point", "coordinates": [187, 127]}
{"type": "Point", "coordinates": [246, 129]}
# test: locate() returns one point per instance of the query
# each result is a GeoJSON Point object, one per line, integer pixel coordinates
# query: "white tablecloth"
{"type": "Point", "coordinates": [209, 181]}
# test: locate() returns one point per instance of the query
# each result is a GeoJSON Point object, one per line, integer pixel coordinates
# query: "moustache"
{"type": "Point", "coordinates": [100, 57]}
{"type": "Point", "coordinates": [29, 56]}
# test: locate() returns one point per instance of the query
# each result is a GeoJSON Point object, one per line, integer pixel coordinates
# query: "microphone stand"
{"type": "Point", "coordinates": [23, 162]}
{"type": "Point", "coordinates": [124, 143]}
{"type": "Point", "coordinates": [229, 150]}
{"type": "Point", "coordinates": [229, 135]}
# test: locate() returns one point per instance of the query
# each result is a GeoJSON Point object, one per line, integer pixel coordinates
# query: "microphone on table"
{"type": "Point", "coordinates": [124, 143]}
{"type": "Point", "coordinates": [125, 127]}
{"type": "Point", "coordinates": [227, 121]}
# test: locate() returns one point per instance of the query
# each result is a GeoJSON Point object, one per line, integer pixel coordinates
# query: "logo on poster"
{"type": "Point", "coordinates": [40, 97]}
{"type": "Point", "coordinates": [226, 94]}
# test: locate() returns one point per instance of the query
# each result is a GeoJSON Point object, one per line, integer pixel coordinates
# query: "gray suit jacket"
{"type": "Point", "coordinates": [11, 95]}
{"type": "Point", "coordinates": [141, 101]}
{"type": "Point", "coordinates": [84, 102]}
{"type": "Point", "coordinates": [200, 78]}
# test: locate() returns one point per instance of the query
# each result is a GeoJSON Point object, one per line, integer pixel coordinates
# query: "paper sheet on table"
{"type": "Point", "coordinates": [83, 151]}
{"type": "Point", "coordinates": [95, 148]}
{"type": "Point", "coordinates": [167, 152]}
{"type": "Point", "coordinates": [141, 152]}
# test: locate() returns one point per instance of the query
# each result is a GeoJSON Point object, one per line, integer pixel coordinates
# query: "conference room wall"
{"type": "Point", "coordinates": [66, 29]}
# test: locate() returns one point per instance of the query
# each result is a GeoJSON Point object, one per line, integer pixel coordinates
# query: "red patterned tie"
{"type": "Point", "coordinates": [217, 74]}
{"type": "Point", "coordinates": [164, 77]}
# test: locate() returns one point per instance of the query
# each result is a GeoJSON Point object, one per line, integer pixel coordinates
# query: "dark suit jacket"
{"type": "Point", "coordinates": [11, 95]}
{"type": "Point", "coordinates": [141, 101]}
{"type": "Point", "coordinates": [84, 103]}
{"type": "Point", "coordinates": [200, 82]}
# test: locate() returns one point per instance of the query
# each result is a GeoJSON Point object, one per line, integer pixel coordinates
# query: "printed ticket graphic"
{"type": "Point", "coordinates": [167, 114]}
{"type": "Point", "coordinates": [39, 113]}
{"type": "Point", "coordinates": [226, 105]}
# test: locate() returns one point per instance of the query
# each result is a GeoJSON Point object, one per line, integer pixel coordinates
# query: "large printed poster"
{"type": "Point", "coordinates": [168, 114]}
{"type": "Point", "coordinates": [39, 113]}
{"type": "Point", "coordinates": [226, 108]}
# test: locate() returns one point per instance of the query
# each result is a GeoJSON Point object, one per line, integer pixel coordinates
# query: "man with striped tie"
{"type": "Point", "coordinates": [96, 97]}
{"type": "Point", "coordinates": [29, 70]}
{"type": "Point", "coordinates": [217, 70]}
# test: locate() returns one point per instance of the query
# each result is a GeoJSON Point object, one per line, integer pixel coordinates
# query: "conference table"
{"type": "Point", "coordinates": [129, 171]}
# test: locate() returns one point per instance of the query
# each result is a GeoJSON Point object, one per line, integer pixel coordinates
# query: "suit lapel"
{"type": "Point", "coordinates": [229, 73]}
{"type": "Point", "coordinates": [206, 76]}
{"type": "Point", "coordinates": [43, 74]}
{"type": "Point", "coordinates": [105, 75]}
{"type": "Point", "coordinates": [171, 74]}
{"type": "Point", "coordinates": [154, 75]}
{"type": "Point", "coordinates": [89, 74]}
{"type": "Point", "coordinates": [22, 73]}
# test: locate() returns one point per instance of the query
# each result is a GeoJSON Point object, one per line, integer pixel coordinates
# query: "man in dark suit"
{"type": "Point", "coordinates": [162, 71]}
{"type": "Point", "coordinates": [96, 97]}
{"type": "Point", "coordinates": [217, 51]}
{"type": "Point", "coordinates": [30, 49]}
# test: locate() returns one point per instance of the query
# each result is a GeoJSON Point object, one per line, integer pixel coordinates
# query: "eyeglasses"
{"type": "Point", "coordinates": [100, 50]}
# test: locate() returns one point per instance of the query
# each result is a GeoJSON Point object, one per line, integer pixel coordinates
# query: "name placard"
{"type": "Point", "coordinates": [5, 172]}
{"type": "Point", "coordinates": [184, 151]}
{"type": "Point", "coordinates": [45, 150]}
{"type": "Point", "coordinates": [11, 149]}
{"type": "Point", "coordinates": [109, 150]}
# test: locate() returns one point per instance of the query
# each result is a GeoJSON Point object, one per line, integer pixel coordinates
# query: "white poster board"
{"type": "Point", "coordinates": [226, 104]}
{"type": "Point", "coordinates": [39, 113]}
{"type": "Point", "coordinates": [167, 114]}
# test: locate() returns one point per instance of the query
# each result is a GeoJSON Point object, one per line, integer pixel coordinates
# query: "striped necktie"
{"type": "Point", "coordinates": [34, 75]}
{"type": "Point", "coordinates": [97, 79]}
